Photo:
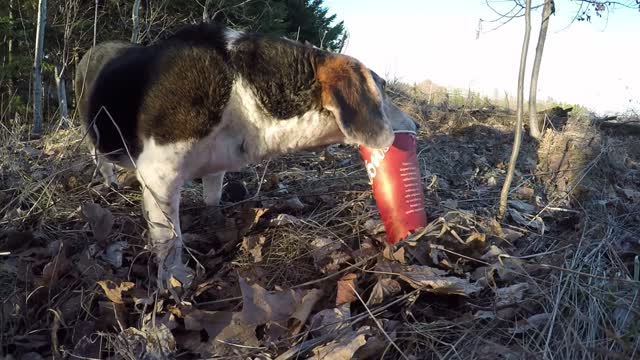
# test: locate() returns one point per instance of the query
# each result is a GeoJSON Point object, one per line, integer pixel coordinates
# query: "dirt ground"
{"type": "Point", "coordinates": [299, 269]}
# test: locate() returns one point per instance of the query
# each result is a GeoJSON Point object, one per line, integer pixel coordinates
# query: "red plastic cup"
{"type": "Point", "coordinates": [397, 187]}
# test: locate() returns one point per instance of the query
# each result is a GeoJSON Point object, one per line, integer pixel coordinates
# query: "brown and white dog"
{"type": "Point", "coordinates": [210, 99]}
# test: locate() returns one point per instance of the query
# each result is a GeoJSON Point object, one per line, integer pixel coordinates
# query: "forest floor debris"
{"type": "Point", "coordinates": [298, 268]}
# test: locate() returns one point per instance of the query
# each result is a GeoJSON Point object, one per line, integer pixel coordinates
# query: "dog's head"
{"type": "Point", "coordinates": [356, 97]}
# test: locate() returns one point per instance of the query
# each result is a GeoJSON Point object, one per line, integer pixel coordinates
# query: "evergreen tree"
{"type": "Point", "coordinates": [308, 20]}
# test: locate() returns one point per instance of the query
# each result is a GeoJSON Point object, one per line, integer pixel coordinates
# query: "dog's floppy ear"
{"type": "Point", "coordinates": [351, 95]}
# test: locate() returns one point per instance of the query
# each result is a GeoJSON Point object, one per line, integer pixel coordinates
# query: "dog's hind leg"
{"type": "Point", "coordinates": [105, 167]}
{"type": "Point", "coordinates": [212, 193]}
{"type": "Point", "coordinates": [212, 188]}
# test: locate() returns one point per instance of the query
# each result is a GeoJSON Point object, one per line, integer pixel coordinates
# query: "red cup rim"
{"type": "Point", "coordinates": [404, 132]}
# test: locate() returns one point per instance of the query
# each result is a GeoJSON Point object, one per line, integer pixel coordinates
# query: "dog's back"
{"type": "Point", "coordinates": [159, 90]}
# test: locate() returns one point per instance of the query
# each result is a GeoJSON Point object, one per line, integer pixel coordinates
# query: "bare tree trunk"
{"type": "Point", "coordinates": [205, 12]}
{"type": "Point", "coordinates": [504, 195]}
{"type": "Point", "coordinates": [506, 101]}
{"type": "Point", "coordinates": [37, 67]}
{"type": "Point", "coordinates": [10, 40]}
{"type": "Point", "coordinates": [136, 22]}
{"type": "Point", "coordinates": [534, 124]}
{"type": "Point", "coordinates": [95, 24]}
{"type": "Point", "coordinates": [62, 96]}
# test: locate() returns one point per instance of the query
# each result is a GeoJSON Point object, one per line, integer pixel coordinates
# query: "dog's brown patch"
{"type": "Point", "coordinates": [350, 93]}
{"type": "Point", "coordinates": [340, 73]}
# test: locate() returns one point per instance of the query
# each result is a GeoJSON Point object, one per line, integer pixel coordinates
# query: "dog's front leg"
{"type": "Point", "coordinates": [161, 200]}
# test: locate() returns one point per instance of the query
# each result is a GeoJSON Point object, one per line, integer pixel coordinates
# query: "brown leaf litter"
{"type": "Point", "coordinates": [299, 268]}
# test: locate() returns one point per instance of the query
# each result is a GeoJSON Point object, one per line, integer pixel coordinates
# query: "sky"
{"type": "Point", "coordinates": [595, 64]}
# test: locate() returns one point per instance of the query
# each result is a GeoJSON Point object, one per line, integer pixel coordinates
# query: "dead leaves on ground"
{"type": "Point", "coordinates": [281, 314]}
{"type": "Point", "coordinates": [344, 347]}
{"type": "Point", "coordinates": [114, 291]}
{"type": "Point", "coordinates": [437, 281]}
{"type": "Point", "coordinates": [100, 220]}
{"type": "Point", "coordinates": [457, 258]}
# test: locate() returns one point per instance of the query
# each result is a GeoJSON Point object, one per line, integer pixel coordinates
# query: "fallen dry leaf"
{"type": "Point", "coordinates": [383, 288]}
{"type": "Point", "coordinates": [344, 347]}
{"type": "Point", "coordinates": [114, 291]}
{"type": "Point", "coordinates": [260, 306]}
{"type": "Point", "coordinates": [290, 203]}
{"type": "Point", "coordinates": [346, 289]}
{"type": "Point", "coordinates": [112, 315]}
{"type": "Point", "coordinates": [632, 195]}
{"type": "Point", "coordinates": [535, 221]}
{"type": "Point", "coordinates": [512, 235]}
{"type": "Point", "coordinates": [328, 255]}
{"type": "Point", "coordinates": [54, 269]}
{"type": "Point", "coordinates": [249, 218]}
{"type": "Point", "coordinates": [374, 227]}
{"type": "Point", "coordinates": [522, 206]}
{"type": "Point", "coordinates": [490, 350]}
{"type": "Point", "coordinates": [450, 204]}
{"type": "Point", "coordinates": [437, 281]}
{"type": "Point", "coordinates": [223, 329]}
{"type": "Point", "coordinates": [100, 220]}
{"type": "Point", "coordinates": [532, 323]}
{"type": "Point", "coordinates": [398, 255]}
{"type": "Point", "coordinates": [329, 321]}
{"type": "Point", "coordinates": [295, 203]}
{"type": "Point", "coordinates": [366, 250]}
{"type": "Point", "coordinates": [374, 346]}
{"type": "Point", "coordinates": [525, 191]}
{"type": "Point", "coordinates": [300, 316]}
{"type": "Point", "coordinates": [511, 294]}
{"type": "Point", "coordinates": [283, 219]}
{"type": "Point", "coordinates": [492, 254]}
{"type": "Point", "coordinates": [151, 342]}
{"type": "Point", "coordinates": [509, 269]}
{"type": "Point", "coordinates": [276, 330]}
{"type": "Point", "coordinates": [113, 253]}
{"type": "Point", "coordinates": [253, 245]}
{"type": "Point", "coordinates": [504, 297]}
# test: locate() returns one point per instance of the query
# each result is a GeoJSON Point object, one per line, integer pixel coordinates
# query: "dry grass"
{"type": "Point", "coordinates": [580, 299]}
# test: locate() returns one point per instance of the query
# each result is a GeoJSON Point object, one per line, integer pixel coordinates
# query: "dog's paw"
{"type": "Point", "coordinates": [174, 275]}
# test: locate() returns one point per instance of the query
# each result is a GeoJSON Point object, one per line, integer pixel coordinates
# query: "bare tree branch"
{"type": "Point", "coordinates": [504, 194]}
{"type": "Point", "coordinates": [534, 124]}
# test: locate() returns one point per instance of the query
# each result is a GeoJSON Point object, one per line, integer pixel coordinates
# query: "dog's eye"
{"type": "Point", "coordinates": [384, 84]}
